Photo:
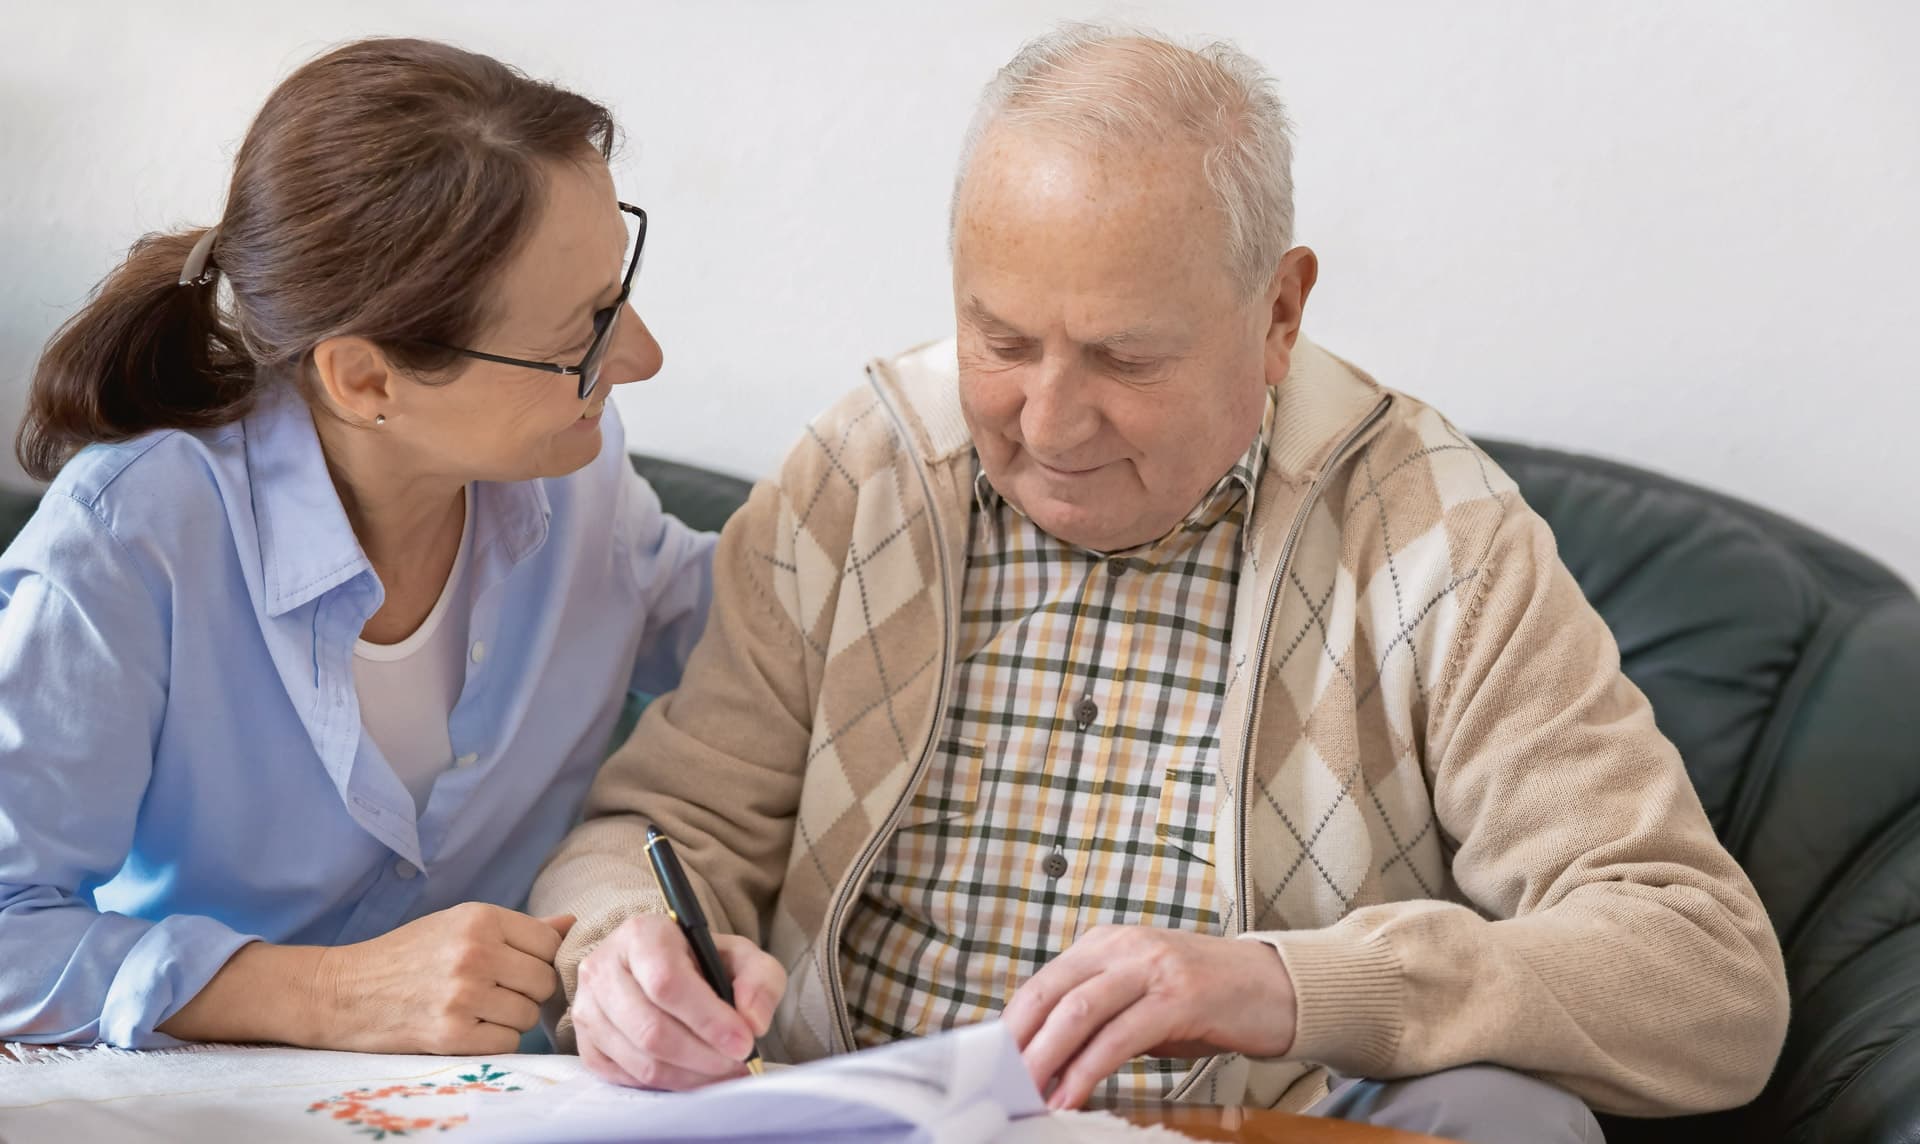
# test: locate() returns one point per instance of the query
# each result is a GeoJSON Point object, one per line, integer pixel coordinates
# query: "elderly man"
{"type": "Point", "coordinates": [1142, 673]}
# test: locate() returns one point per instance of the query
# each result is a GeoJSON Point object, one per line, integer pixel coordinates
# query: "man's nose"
{"type": "Point", "coordinates": [1058, 416]}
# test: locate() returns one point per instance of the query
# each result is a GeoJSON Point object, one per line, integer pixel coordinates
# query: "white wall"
{"type": "Point", "coordinates": [1681, 235]}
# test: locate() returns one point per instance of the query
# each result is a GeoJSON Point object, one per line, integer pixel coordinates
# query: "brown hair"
{"type": "Point", "coordinates": [377, 194]}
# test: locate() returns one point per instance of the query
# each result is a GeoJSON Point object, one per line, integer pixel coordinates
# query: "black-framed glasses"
{"type": "Point", "coordinates": [604, 319]}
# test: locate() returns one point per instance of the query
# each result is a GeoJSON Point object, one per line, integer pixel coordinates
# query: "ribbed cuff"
{"type": "Point", "coordinates": [600, 894]}
{"type": "Point", "coordinates": [595, 921]}
{"type": "Point", "coordinates": [1347, 994]}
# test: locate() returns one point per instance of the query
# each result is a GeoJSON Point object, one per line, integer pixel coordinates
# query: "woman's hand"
{"type": "Point", "coordinates": [644, 1017]}
{"type": "Point", "coordinates": [467, 980]}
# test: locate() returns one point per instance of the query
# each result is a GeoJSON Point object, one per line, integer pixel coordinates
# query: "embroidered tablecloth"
{"type": "Point", "coordinates": [965, 1087]}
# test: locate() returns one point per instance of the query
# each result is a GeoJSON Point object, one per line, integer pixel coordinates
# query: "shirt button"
{"type": "Point", "coordinates": [466, 760]}
{"type": "Point", "coordinates": [1055, 865]}
{"type": "Point", "coordinates": [1116, 566]}
{"type": "Point", "coordinates": [1086, 712]}
{"type": "Point", "coordinates": [479, 651]}
{"type": "Point", "coordinates": [404, 870]}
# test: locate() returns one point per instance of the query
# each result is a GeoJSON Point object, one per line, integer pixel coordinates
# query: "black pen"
{"type": "Point", "coordinates": [685, 909]}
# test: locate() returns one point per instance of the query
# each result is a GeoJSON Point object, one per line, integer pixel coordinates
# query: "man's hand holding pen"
{"type": "Point", "coordinates": [645, 1014]}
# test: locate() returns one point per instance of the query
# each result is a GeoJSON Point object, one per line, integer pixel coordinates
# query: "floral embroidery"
{"type": "Point", "coordinates": [357, 1108]}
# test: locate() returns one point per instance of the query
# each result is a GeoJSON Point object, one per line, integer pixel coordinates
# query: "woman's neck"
{"type": "Point", "coordinates": [408, 522]}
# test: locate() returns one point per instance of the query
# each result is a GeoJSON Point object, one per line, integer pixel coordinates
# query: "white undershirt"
{"type": "Point", "coordinates": [408, 690]}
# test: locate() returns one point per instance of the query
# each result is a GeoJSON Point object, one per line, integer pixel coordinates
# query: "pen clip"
{"type": "Point", "coordinates": [681, 902]}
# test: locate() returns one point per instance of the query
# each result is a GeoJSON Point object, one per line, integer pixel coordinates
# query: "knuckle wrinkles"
{"type": "Point", "coordinates": [664, 986]}
{"type": "Point", "coordinates": [649, 1036]}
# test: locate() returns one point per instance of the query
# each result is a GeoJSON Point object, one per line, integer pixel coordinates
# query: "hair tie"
{"type": "Point", "coordinates": [196, 271]}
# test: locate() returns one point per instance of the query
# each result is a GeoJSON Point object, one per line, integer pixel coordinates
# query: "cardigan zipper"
{"type": "Point", "coordinates": [830, 959]}
{"type": "Point", "coordinates": [1256, 678]}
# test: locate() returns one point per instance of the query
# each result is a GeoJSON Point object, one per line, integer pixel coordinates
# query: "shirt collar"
{"type": "Point", "coordinates": [307, 545]}
{"type": "Point", "coordinates": [1242, 480]}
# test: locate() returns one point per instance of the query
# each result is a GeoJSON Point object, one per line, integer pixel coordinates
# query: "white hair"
{"type": "Point", "coordinates": [1103, 85]}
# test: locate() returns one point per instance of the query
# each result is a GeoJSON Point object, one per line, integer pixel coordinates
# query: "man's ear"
{"type": "Point", "coordinates": [355, 379]}
{"type": "Point", "coordinates": [1286, 297]}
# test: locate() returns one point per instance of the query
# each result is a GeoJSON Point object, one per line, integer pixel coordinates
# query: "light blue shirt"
{"type": "Point", "coordinates": [182, 763]}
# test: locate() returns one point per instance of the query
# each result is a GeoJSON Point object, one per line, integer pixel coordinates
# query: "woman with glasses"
{"type": "Point", "coordinates": [314, 645]}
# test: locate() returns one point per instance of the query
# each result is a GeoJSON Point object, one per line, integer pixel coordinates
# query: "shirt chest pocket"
{"type": "Point", "coordinates": [1183, 820]}
{"type": "Point", "coordinates": [950, 790]}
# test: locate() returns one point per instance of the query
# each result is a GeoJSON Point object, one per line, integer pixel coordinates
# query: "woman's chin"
{"type": "Point", "coordinates": [569, 450]}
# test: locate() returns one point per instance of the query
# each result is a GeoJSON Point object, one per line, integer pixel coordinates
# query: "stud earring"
{"type": "Point", "coordinates": [379, 419]}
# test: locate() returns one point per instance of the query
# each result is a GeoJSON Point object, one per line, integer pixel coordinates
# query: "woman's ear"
{"type": "Point", "coordinates": [355, 379]}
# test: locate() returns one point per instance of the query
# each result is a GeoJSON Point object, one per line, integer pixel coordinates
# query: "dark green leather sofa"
{"type": "Point", "coordinates": [1787, 668]}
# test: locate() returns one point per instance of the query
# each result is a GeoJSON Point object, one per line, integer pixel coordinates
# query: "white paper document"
{"type": "Point", "coordinates": [960, 1087]}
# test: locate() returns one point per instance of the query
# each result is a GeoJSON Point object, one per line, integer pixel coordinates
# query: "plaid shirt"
{"type": "Point", "coordinates": [1072, 786]}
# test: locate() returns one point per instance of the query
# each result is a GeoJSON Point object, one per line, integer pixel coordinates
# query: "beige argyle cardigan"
{"type": "Point", "coordinates": [1439, 799]}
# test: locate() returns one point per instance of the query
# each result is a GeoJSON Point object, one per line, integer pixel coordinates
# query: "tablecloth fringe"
{"type": "Point", "coordinates": [26, 1054]}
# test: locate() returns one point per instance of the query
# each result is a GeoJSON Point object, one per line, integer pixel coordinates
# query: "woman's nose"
{"type": "Point", "coordinates": [635, 354]}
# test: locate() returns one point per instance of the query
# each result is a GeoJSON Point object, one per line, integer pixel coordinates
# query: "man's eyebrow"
{"type": "Point", "coordinates": [1142, 337]}
{"type": "Point", "coordinates": [1137, 337]}
{"type": "Point", "coordinates": [978, 311]}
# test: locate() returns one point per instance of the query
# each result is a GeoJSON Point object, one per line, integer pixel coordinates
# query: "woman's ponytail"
{"type": "Point", "coordinates": [147, 352]}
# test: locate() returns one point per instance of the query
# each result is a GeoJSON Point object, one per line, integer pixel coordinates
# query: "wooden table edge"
{"type": "Point", "coordinates": [1264, 1126]}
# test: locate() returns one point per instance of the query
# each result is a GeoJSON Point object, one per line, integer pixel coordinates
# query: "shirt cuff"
{"type": "Point", "coordinates": [168, 967]}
